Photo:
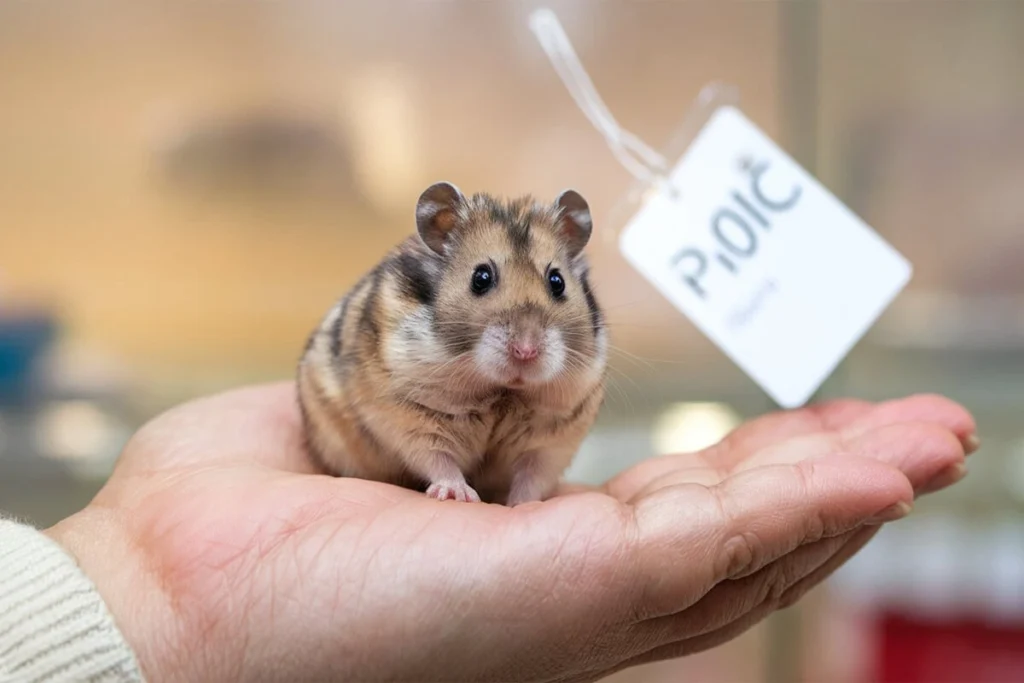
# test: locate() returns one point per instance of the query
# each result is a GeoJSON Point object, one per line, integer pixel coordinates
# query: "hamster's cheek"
{"type": "Point", "coordinates": [414, 343]}
{"type": "Point", "coordinates": [490, 354]}
{"type": "Point", "coordinates": [555, 355]}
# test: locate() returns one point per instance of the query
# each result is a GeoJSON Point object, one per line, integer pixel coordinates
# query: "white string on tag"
{"type": "Point", "coordinates": [642, 162]}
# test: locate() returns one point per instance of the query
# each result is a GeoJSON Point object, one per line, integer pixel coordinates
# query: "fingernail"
{"type": "Point", "coordinates": [971, 444]}
{"type": "Point", "coordinates": [946, 477]}
{"type": "Point", "coordinates": [890, 514]}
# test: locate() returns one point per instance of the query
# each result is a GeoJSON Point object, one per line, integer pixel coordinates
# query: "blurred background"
{"type": "Point", "coordinates": [185, 188]}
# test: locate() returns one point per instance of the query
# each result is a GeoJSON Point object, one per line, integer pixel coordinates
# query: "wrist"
{"type": "Point", "coordinates": [53, 621]}
{"type": "Point", "coordinates": [103, 552]}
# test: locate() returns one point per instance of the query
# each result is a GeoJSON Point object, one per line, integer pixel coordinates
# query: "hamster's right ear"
{"type": "Point", "coordinates": [436, 214]}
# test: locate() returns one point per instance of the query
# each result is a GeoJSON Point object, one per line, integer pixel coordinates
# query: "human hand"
{"type": "Point", "coordinates": [224, 555]}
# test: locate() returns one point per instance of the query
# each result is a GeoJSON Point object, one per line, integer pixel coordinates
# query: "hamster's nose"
{"type": "Point", "coordinates": [523, 350]}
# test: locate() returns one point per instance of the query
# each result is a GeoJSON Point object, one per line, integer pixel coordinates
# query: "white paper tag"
{"type": "Point", "coordinates": [763, 259]}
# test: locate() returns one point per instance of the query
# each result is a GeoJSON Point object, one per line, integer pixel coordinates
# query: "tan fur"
{"type": "Point", "coordinates": [405, 400]}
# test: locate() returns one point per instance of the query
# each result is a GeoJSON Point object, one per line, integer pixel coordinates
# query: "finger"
{"type": "Point", "coordinates": [746, 439]}
{"type": "Point", "coordinates": [920, 450]}
{"type": "Point", "coordinates": [787, 599]}
{"type": "Point", "coordinates": [848, 417]}
{"type": "Point", "coordinates": [927, 408]}
{"type": "Point", "coordinates": [715, 638]}
{"type": "Point", "coordinates": [750, 520]}
{"type": "Point", "coordinates": [853, 417]}
{"type": "Point", "coordinates": [858, 540]}
{"type": "Point", "coordinates": [927, 454]}
{"type": "Point", "coordinates": [735, 598]}
{"type": "Point", "coordinates": [258, 424]}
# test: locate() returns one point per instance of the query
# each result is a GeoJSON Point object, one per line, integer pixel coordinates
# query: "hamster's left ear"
{"type": "Point", "coordinates": [574, 221]}
{"type": "Point", "coordinates": [437, 212]}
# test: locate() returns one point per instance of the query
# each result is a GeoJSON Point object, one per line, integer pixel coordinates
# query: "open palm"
{"type": "Point", "coordinates": [224, 555]}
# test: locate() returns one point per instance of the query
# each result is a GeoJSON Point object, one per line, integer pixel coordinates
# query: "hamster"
{"type": "Point", "coordinates": [470, 363]}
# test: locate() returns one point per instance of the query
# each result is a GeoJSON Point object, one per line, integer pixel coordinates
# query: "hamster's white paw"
{"type": "Point", "coordinates": [453, 490]}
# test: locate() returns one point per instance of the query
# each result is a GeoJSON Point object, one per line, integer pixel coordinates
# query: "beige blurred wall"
{"type": "Point", "coordinates": [922, 129]}
{"type": "Point", "coordinates": [175, 282]}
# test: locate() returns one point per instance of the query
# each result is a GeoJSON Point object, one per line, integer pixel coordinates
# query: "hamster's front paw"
{"type": "Point", "coordinates": [453, 490]}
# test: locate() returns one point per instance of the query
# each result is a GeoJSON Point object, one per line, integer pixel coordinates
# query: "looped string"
{"type": "Point", "coordinates": [637, 157]}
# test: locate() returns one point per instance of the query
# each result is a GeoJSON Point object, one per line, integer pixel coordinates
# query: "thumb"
{"type": "Point", "coordinates": [691, 537]}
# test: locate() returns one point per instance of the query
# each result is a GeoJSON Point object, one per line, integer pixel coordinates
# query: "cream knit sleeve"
{"type": "Point", "coordinates": [53, 623]}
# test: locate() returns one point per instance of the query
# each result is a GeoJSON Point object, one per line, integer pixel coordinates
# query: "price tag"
{"type": "Point", "coordinates": [767, 263]}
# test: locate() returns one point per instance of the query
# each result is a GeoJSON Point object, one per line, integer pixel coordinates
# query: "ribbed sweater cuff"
{"type": "Point", "coordinates": [54, 625]}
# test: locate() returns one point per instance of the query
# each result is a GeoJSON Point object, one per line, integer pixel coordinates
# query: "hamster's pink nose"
{"type": "Point", "coordinates": [523, 351]}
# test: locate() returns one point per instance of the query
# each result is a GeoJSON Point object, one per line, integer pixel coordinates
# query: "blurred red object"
{"type": "Point", "coordinates": [915, 650]}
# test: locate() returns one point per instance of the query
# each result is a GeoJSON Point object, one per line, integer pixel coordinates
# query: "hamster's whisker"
{"type": "Point", "coordinates": [612, 370]}
{"type": "Point", "coordinates": [629, 356]}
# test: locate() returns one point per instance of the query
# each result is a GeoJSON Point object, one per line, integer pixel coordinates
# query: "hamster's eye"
{"type": "Point", "coordinates": [483, 279]}
{"type": "Point", "coordinates": [556, 283]}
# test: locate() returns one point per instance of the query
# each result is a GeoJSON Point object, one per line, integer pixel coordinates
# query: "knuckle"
{"type": "Point", "coordinates": [790, 597]}
{"type": "Point", "coordinates": [778, 584]}
{"type": "Point", "coordinates": [815, 528]}
{"type": "Point", "coordinates": [803, 474]}
{"type": "Point", "coordinates": [774, 584]}
{"type": "Point", "coordinates": [742, 555]}
{"type": "Point", "coordinates": [718, 504]}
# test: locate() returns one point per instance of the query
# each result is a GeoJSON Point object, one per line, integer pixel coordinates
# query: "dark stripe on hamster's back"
{"type": "Point", "coordinates": [368, 318]}
{"type": "Point", "coordinates": [338, 326]}
{"type": "Point", "coordinates": [413, 277]}
{"type": "Point", "coordinates": [595, 309]}
{"type": "Point", "coordinates": [308, 390]}
{"type": "Point", "coordinates": [337, 329]}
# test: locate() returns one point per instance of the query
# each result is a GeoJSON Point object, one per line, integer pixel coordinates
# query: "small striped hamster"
{"type": "Point", "coordinates": [470, 363]}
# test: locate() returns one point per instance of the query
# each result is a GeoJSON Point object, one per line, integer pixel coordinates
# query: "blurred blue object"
{"type": "Point", "coordinates": [24, 338]}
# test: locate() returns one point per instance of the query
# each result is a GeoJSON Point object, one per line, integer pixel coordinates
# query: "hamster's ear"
{"type": "Point", "coordinates": [575, 223]}
{"type": "Point", "coordinates": [436, 214]}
